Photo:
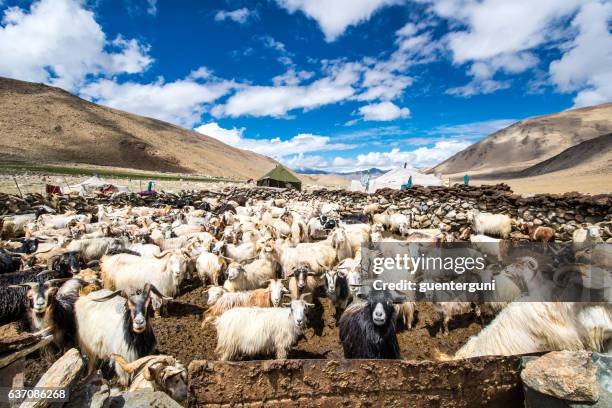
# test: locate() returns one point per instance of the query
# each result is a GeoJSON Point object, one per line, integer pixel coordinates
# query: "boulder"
{"type": "Point", "coordinates": [567, 375]}
{"type": "Point", "coordinates": [143, 399]}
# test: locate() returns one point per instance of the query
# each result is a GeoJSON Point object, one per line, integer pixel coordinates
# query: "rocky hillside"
{"type": "Point", "coordinates": [532, 141]}
{"type": "Point", "coordinates": [45, 125]}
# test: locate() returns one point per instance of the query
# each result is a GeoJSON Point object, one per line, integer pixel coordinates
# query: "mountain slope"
{"type": "Point", "coordinates": [594, 155]}
{"type": "Point", "coordinates": [45, 125]}
{"type": "Point", "coordinates": [529, 142]}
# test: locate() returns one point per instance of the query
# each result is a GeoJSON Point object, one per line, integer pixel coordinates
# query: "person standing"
{"type": "Point", "coordinates": [466, 180]}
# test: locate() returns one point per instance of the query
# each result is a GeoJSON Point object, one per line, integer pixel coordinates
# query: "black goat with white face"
{"type": "Point", "coordinates": [66, 263]}
{"type": "Point", "coordinates": [337, 290]}
{"type": "Point", "coordinates": [48, 310]}
{"type": "Point", "coordinates": [367, 330]}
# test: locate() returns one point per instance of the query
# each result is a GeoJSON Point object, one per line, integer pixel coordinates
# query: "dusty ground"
{"type": "Point", "coordinates": [182, 335]}
{"type": "Point", "coordinates": [555, 183]}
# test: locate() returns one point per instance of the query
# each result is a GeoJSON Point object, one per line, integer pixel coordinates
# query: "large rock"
{"type": "Point", "coordinates": [143, 399]}
{"type": "Point", "coordinates": [567, 375]}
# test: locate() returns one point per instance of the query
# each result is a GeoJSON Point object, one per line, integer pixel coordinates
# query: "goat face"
{"type": "Point", "coordinates": [298, 311]}
{"type": "Point", "coordinates": [301, 274]}
{"type": "Point", "coordinates": [174, 382]}
{"type": "Point", "coordinates": [381, 307]}
{"type": "Point", "coordinates": [330, 281]}
{"type": "Point", "coordinates": [177, 265]}
{"type": "Point", "coordinates": [139, 305]}
{"type": "Point", "coordinates": [234, 270]}
{"type": "Point", "coordinates": [219, 248]}
{"type": "Point", "coordinates": [29, 246]}
{"type": "Point", "coordinates": [40, 296]}
{"type": "Point", "coordinates": [67, 262]}
{"type": "Point", "coordinates": [277, 289]}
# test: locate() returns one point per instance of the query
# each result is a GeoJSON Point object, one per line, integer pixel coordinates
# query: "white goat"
{"type": "Point", "coordinates": [249, 331]}
{"type": "Point", "coordinates": [494, 224]}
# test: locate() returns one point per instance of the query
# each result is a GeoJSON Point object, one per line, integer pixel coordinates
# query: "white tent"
{"type": "Point", "coordinates": [92, 184]}
{"type": "Point", "coordinates": [396, 178]}
{"type": "Point", "coordinates": [357, 186]}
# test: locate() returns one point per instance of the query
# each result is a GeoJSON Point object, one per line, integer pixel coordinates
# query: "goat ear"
{"type": "Point", "coordinates": [152, 371]}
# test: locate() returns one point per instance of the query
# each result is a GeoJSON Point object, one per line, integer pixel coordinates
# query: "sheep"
{"type": "Point", "coordinates": [337, 290]}
{"type": "Point", "coordinates": [495, 224]}
{"type": "Point", "coordinates": [268, 297]}
{"type": "Point", "coordinates": [210, 267]}
{"type": "Point", "coordinates": [50, 309]}
{"type": "Point", "coordinates": [159, 373]}
{"type": "Point", "coordinates": [400, 223]}
{"type": "Point", "coordinates": [114, 323]}
{"type": "Point", "coordinates": [367, 330]}
{"type": "Point", "coordinates": [251, 331]}
{"type": "Point", "coordinates": [301, 281]}
{"type": "Point", "coordinates": [531, 327]}
{"type": "Point", "coordinates": [58, 221]}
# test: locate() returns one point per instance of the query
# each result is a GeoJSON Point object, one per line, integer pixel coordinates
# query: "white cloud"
{"type": "Point", "coordinates": [334, 17]}
{"type": "Point", "coordinates": [59, 42]}
{"type": "Point", "coordinates": [299, 144]}
{"type": "Point", "coordinates": [181, 102]}
{"type": "Point", "coordinates": [497, 35]}
{"type": "Point", "coordinates": [152, 7]}
{"type": "Point", "coordinates": [586, 65]}
{"type": "Point", "coordinates": [384, 111]}
{"type": "Point", "coordinates": [291, 77]}
{"type": "Point", "coordinates": [239, 16]}
{"type": "Point", "coordinates": [421, 157]}
{"type": "Point", "coordinates": [277, 101]}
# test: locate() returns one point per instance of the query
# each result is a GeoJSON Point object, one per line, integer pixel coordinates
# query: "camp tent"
{"type": "Point", "coordinates": [279, 176]}
{"type": "Point", "coordinates": [93, 184]}
{"type": "Point", "coordinates": [397, 177]}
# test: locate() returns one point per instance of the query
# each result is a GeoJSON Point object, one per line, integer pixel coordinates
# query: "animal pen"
{"type": "Point", "coordinates": [316, 372]}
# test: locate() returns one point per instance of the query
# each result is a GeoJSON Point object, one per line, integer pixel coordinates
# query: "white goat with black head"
{"type": "Point", "coordinates": [115, 323]}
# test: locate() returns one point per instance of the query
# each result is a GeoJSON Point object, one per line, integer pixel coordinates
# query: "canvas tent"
{"type": "Point", "coordinates": [279, 176]}
{"type": "Point", "coordinates": [396, 178]}
{"type": "Point", "coordinates": [94, 184]}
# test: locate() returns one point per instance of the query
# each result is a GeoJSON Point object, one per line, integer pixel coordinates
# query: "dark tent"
{"type": "Point", "coordinates": [280, 177]}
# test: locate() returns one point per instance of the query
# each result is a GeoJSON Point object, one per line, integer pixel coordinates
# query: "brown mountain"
{"type": "Point", "coordinates": [525, 144]}
{"type": "Point", "coordinates": [45, 125]}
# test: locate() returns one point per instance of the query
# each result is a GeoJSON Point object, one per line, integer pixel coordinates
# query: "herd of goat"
{"type": "Point", "coordinates": [96, 281]}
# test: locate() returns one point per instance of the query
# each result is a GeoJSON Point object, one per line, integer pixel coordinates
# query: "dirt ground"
{"type": "Point", "coordinates": [181, 334]}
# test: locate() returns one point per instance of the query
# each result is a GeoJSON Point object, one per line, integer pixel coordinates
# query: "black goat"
{"type": "Point", "coordinates": [367, 330]}
{"type": "Point", "coordinates": [67, 263]}
{"type": "Point", "coordinates": [13, 300]}
{"type": "Point", "coordinates": [48, 309]}
{"type": "Point", "coordinates": [28, 246]}
{"type": "Point", "coordinates": [9, 262]}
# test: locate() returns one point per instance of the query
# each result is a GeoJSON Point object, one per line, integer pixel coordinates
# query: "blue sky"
{"type": "Point", "coordinates": [334, 85]}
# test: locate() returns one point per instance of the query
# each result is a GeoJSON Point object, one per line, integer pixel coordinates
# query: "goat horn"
{"type": "Point", "coordinates": [163, 254]}
{"type": "Point", "coordinates": [112, 295]}
{"type": "Point", "coordinates": [59, 280]}
{"type": "Point", "coordinates": [151, 288]}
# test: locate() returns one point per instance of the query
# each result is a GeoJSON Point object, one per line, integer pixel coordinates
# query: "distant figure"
{"type": "Point", "coordinates": [466, 180]}
{"type": "Point", "coordinates": [405, 164]}
{"type": "Point", "coordinates": [408, 184]}
{"type": "Point", "coordinates": [150, 186]}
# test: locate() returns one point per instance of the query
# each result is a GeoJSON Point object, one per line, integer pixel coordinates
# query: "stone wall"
{"type": "Point", "coordinates": [428, 205]}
